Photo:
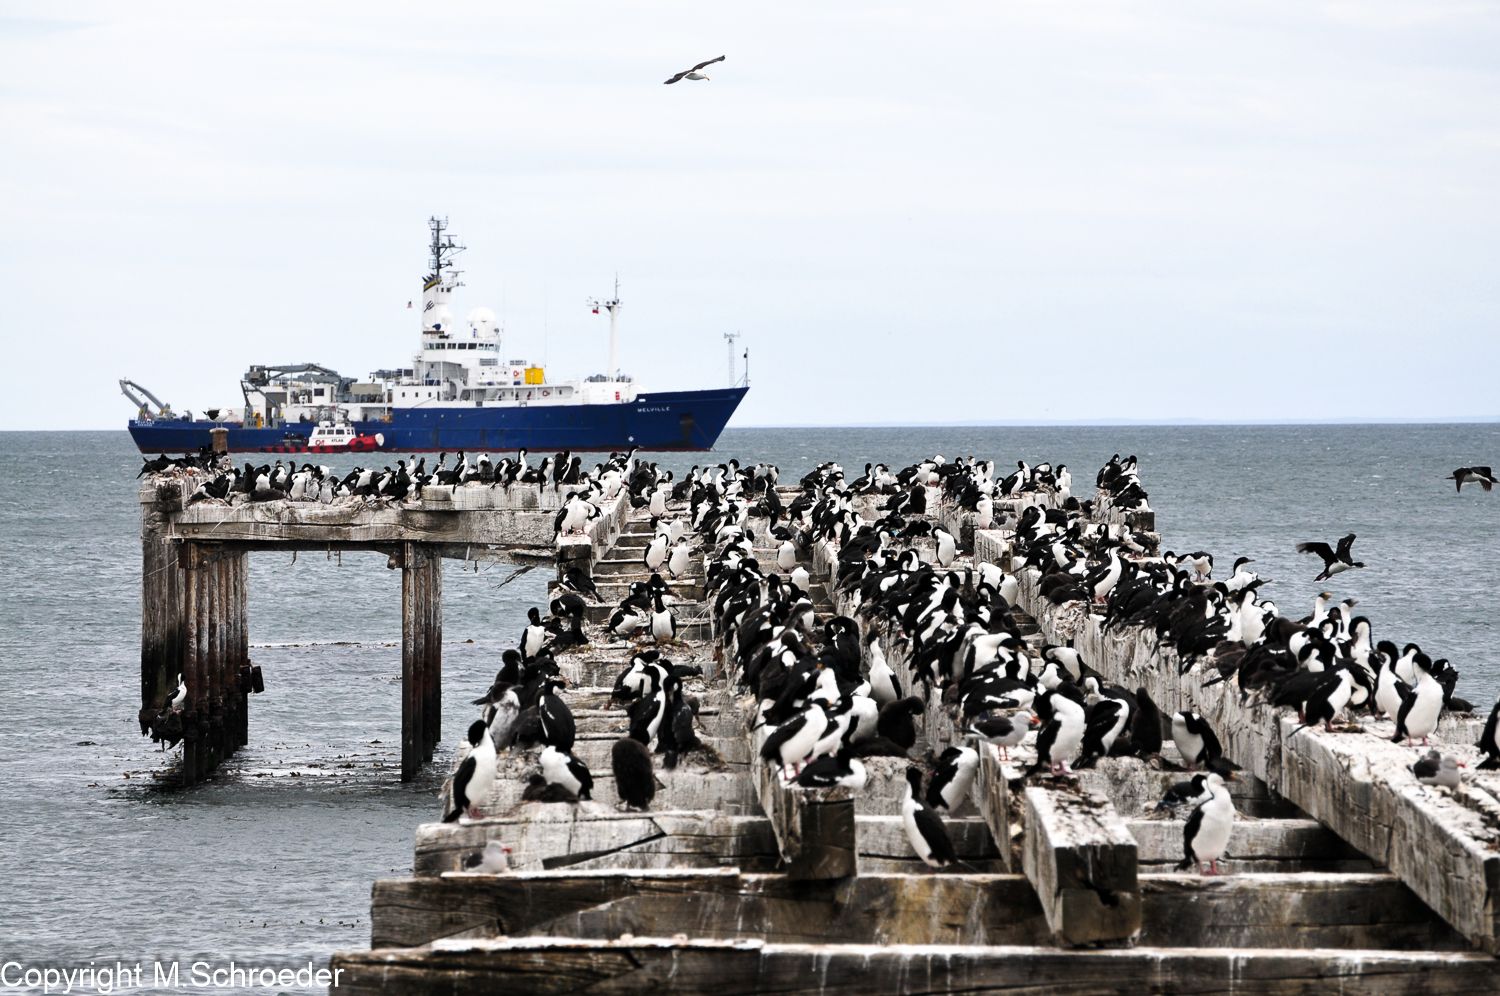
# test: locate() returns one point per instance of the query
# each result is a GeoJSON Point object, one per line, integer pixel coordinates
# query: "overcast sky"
{"type": "Point", "coordinates": [913, 213]}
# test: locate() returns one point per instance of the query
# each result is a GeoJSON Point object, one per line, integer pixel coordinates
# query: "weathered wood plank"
{"type": "Point", "coordinates": [815, 828]}
{"type": "Point", "coordinates": [1302, 910]}
{"type": "Point", "coordinates": [1081, 860]}
{"type": "Point", "coordinates": [528, 966]}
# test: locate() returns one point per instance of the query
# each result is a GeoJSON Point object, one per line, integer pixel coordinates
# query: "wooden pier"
{"type": "Point", "coordinates": [1344, 873]}
{"type": "Point", "coordinates": [194, 593]}
{"type": "Point", "coordinates": [734, 883]}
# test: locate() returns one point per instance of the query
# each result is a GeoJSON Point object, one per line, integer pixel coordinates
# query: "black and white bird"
{"type": "Point", "coordinates": [663, 622]}
{"type": "Point", "coordinates": [924, 828]}
{"type": "Point", "coordinates": [696, 73]}
{"type": "Point", "coordinates": [475, 776]}
{"type": "Point", "coordinates": [493, 860]}
{"type": "Point", "coordinates": [1436, 769]}
{"type": "Point", "coordinates": [1183, 797]}
{"type": "Point", "coordinates": [179, 694]}
{"type": "Point", "coordinates": [1195, 739]}
{"type": "Point", "coordinates": [884, 685]}
{"type": "Point", "coordinates": [1061, 735]}
{"type": "Point", "coordinates": [561, 767]}
{"type": "Point", "coordinates": [791, 742]}
{"type": "Point", "coordinates": [1102, 725]}
{"type": "Point", "coordinates": [558, 728]}
{"type": "Point", "coordinates": [834, 771]}
{"type": "Point", "coordinates": [656, 552]}
{"type": "Point", "coordinates": [534, 636]}
{"type": "Point", "coordinates": [1001, 730]}
{"type": "Point", "coordinates": [502, 707]}
{"type": "Point", "coordinates": [1334, 561]}
{"type": "Point", "coordinates": [577, 580]}
{"type": "Point", "coordinates": [680, 559]}
{"type": "Point", "coordinates": [635, 775]}
{"type": "Point", "coordinates": [1206, 836]}
{"type": "Point", "coordinates": [1420, 707]}
{"type": "Point", "coordinates": [952, 778]}
{"type": "Point", "coordinates": [1489, 741]}
{"type": "Point", "coordinates": [1471, 475]}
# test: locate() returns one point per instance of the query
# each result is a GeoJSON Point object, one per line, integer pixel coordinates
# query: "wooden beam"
{"type": "Point", "coordinates": [815, 828]}
{"type": "Point", "coordinates": [553, 966]}
{"type": "Point", "coordinates": [1081, 859]}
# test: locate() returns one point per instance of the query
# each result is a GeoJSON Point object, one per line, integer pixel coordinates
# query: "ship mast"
{"type": "Point", "coordinates": [435, 289]}
{"type": "Point", "coordinates": [614, 313]}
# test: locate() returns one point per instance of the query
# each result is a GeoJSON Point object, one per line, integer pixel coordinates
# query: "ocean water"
{"type": "Point", "coordinates": [271, 863]}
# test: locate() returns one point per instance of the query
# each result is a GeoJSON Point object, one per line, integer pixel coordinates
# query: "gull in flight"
{"type": "Point", "coordinates": [694, 74]}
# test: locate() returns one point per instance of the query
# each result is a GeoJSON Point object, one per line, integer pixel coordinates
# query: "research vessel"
{"type": "Point", "coordinates": [461, 392]}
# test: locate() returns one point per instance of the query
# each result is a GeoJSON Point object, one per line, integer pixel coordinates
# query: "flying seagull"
{"type": "Point", "coordinates": [694, 74]}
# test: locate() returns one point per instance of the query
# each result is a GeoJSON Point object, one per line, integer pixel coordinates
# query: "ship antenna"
{"type": "Point", "coordinates": [614, 312]}
{"type": "Point", "coordinates": [729, 337]}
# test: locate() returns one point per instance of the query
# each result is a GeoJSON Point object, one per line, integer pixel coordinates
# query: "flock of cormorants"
{"type": "Point", "coordinates": [825, 703]}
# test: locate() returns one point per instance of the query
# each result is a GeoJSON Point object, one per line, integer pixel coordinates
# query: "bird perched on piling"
{"type": "Point", "coordinates": [1206, 836]}
{"type": "Point", "coordinates": [1436, 769]}
{"type": "Point", "coordinates": [493, 860]}
{"type": "Point", "coordinates": [635, 775]}
{"type": "Point", "coordinates": [1488, 738]}
{"type": "Point", "coordinates": [179, 694]}
{"type": "Point", "coordinates": [558, 728]}
{"type": "Point", "coordinates": [696, 73]}
{"type": "Point", "coordinates": [1334, 561]}
{"type": "Point", "coordinates": [895, 722]}
{"type": "Point", "coordinates": [475, 776]}
{"type": "Point", "coordinates": [834, 771]}
{"type": "Point", "coordinates": [1001, 730]}
{"type": "Point", "coordinates": [924, 829]}
{"type": "Point", "coordinates": [1061, 735]}
{"type": "Point", "coordinates": [561, 767]}
{"type": "Point", "coordinates": [1420, 706]}
{"type": "Point", "coordinates": [1195, 739]}
{"type": "Point", "coordinates": [952, 778]}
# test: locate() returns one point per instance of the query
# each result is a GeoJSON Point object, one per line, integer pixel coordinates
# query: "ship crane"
{"type": "Point", "coordinates": [614, 312]}
{"type": "Point", "coordinates": [163, 410]}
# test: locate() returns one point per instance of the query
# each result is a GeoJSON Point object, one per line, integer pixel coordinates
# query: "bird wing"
{"type": "Point", "coordinates": [1321, 549]}
{"type": "Point", "coordinates": [679, 76]}
{"type": "Point", "coordinates": [708, 63]}
{"type": "Point", "coordinates": [1344, 545]}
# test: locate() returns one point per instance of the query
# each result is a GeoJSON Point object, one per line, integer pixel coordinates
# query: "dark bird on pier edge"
{"type": "Point", "coordinates": [1334, 561]}
{"type": "Point", "coordinates": [895, 721]}
{"type": "Point", "coordinates": [635, 775]}
{"type": "Point", "coordinates": [1471, 475]}
{"type": "Point", "coordinates": [1488, 741]}
{"type": "Point", "coordinates": [1145, 726]}
{"type": "Point", "coordinates": [558, 728]}
{"type": "Point", "coordinates": [696, 73]}
{"type": "Point", "coordinates": [924, 828]}
{"type": "Point", "coordinates": [577, 580]}
{"type": "Point", "coordinates": [538, 789]}
{"type": "Point", "coordinates": [475, 776]}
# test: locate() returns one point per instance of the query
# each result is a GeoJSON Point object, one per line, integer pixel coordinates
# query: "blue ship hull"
{"type": "Point", "coordinates": [665, 420]}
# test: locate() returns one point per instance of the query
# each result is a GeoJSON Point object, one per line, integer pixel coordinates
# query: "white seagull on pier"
{"type": "Point", "coordinates": [694, 73]}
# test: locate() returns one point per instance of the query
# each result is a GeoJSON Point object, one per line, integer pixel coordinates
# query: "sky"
{"type": "Point", "coordinates": [926, 212]}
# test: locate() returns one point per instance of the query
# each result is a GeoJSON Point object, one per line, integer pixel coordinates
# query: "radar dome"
{"type": "Point", "coordinates": [482, 320]}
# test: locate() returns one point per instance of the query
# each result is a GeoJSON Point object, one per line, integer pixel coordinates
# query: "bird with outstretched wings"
{"type": "Point", "coordinates": [696, 73]}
